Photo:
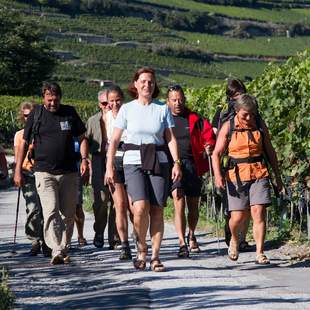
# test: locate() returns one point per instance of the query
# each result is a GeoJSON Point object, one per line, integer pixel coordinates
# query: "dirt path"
{"type": "Point", "coordinates": [96, 279]}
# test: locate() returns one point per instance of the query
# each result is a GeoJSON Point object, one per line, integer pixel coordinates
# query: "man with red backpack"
{"type": "Point", "coordinates": [196, 140]}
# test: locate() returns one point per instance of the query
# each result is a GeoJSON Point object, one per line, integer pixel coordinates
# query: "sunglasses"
{"type": "Point", "coordinates": [104, 103]}
{"type": "Point", "coordinates": [175, 87]}
{"type": "Point", "coordinates": [26, 115]}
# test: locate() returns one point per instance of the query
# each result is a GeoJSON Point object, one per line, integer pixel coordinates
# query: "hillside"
{"type": "Point", "coordinates": [193, 43]}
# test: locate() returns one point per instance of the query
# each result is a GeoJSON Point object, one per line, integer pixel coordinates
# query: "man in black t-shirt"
{"type": "Point", "coordinates": [195, 139]}
{"type": "Point", "coordinates": [51, 127]}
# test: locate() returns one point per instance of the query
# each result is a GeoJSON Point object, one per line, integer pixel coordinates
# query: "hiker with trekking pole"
{"type": "Point", "coordinates": [34, 220]}
{"type": "Point", "coordinates": [196, 139]}
{"type": "Point", "coordinates": [247, 180]}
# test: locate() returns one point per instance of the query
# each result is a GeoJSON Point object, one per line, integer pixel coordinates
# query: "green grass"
{"type": "Point", "coordinates": [6, 296]}
{"type": "Point", "coordinates": [264, 46]}
{"type": "Point", "coordinates": [289, 16]}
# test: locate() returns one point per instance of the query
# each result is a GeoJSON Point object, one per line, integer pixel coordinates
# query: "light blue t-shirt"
{"type": "Point", "coordinates": [144, 124]}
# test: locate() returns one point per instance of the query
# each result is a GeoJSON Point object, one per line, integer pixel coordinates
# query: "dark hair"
{"type": "Point", "coordinates": [132, 89]}
{"type": "Point", "coordinates": [115, 89]}
{"type": "Point", "coordinates": [235, 86]}
{"type": "Point", "coordinates": [175, 87]}
{"type": "Point", "coordinates": [52, 87]}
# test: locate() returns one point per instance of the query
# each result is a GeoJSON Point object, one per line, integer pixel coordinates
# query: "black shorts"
{"type": "Point", "coordinates": [191, 183]}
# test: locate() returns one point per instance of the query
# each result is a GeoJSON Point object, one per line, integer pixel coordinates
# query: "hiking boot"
{"type": "Point", "coordinates": [47, 252]}
{"type": "Point", "coordinates": [98, 240]}
{"type": "Point", "coordinates": [125, 254]}
{"type": "Point", "coordinates": [35, 248]}
{"type": "Point", "coordinates": [57, 259]}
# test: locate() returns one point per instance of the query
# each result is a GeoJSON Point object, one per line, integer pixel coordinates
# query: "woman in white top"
{"type": "Point", "coordinates": [115, 100]}
{"type": "Point", "coordinates": [148, 124]}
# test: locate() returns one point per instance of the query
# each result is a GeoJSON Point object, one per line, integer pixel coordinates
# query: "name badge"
{"type": "Point", "coordinates": [65, 125]}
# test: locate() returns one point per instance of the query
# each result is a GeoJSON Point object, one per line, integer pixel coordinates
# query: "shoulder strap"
{"type": "Point", "coordinates": [231, 128]}
{"type": "Point", "coordinates": [36, 123]}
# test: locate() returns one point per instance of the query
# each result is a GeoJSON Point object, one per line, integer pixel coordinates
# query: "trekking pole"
{"type": "Point", "coordinates": [16, 220]}
{"type": "Point", "coordinates": [213, 205]}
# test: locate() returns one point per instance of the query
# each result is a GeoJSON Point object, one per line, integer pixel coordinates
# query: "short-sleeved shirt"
{"type": "Point", "coordinates": [54, 144]}
{"type": "Point", "coordinates": [182, 134]}
{"type": "Point", "coordinates": [145, 124]}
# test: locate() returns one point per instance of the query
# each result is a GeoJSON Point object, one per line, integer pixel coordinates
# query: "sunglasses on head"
{"type": "Point", "coordinates": [175, 87]}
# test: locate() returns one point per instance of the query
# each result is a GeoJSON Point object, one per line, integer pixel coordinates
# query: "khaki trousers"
{"type": "Point", "coordinates": [58, 195]}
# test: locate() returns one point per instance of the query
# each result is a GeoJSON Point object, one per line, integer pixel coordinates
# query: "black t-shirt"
{"type": "Point", "coordinates": [54, 144]}
{"type": "Point", "coordinates": [182, 135]}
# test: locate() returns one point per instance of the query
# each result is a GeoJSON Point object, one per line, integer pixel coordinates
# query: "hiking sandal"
{"type": "Point", "coordinates": [233, 252]}
{"type": "Point", "coordinates": [193, 244]}
{"type": "Point", "coordinates": [183, 251]}
{"type": "Point", "coordinates": [140, 263]}
{"type": "Point", "coordinates": [156, 265]}
{"type": "Point", "coordinates": [261, 259]}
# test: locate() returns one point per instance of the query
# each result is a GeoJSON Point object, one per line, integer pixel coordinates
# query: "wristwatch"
{"type": "Point", "coordinates": [178, 161]}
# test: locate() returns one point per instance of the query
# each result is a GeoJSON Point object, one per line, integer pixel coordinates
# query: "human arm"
{"type": "Point", "coordinates": [208, 137]}
{"type": "Point", "coordinates": [176, 173]}
{"type": "Point", "coordinates": [272, 156]}
{"type": "Point", "coordinates": [20, 151]}
{"type": "Point", "coordinates": [3, 164]}
{"type": "Point", "coordinates": [220, 147]}
{"type": "Point", "coordinates": [115, 140]}
{"type": "Point", "coordinates": [84, 150]}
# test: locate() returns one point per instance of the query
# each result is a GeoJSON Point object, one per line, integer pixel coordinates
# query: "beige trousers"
{"type": "Point", "coordinates": [58, 195]}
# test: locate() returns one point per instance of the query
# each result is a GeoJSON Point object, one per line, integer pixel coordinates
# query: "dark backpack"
{"type": "Point", "coordinates": [32, 139]}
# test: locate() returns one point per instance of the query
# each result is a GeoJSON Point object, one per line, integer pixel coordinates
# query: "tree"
{"type": "Point", "coordinates": [25, 59]}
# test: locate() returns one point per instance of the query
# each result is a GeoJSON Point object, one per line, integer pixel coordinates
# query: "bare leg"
{"type": "Point", "coordinates": [156, 229]}
{"type": "Point", "coordinates": [179, 214]}
{"type": "Point", "coordinates": [121, 204]}
{"type": "Point", "coordinates": [140, 210]}
{"type": "Point", "coordinates": [258, 213]}
{"type": "Point", "coordinates": [193, 214]}
{"type": "Point", "coordinates": [79, 221]}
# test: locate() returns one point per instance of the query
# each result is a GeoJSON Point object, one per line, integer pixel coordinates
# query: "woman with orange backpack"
{"type": "Point", "coordinates": [247, 178]}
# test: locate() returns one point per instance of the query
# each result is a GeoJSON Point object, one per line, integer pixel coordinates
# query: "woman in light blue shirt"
{"type": "Point", "coordinates": [149, 126]}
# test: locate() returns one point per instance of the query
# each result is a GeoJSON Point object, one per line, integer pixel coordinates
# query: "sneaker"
{"type": "Point", "coordinates": [57, 259]}
{"type": "Point", "coordinates": [35, 248]}
{"type": "Point", "coordinates": [98, 240]}
{"type": "Point", "coordinates": [125, 254]}
{"type": "Point", "coordinates": [116, 245]}
{"type": "Point", "coordinates": [47, 252]}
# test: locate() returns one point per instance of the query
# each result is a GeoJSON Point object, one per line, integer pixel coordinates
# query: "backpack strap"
{"type": "Point", "coordinates": [36, 124]}
{"type": "Point", "coordinates": [231, 128]}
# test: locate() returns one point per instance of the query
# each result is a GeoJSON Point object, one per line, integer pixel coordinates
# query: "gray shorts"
{"type": "Point", "coordinates": [144, 186]}
{"type": "Point", "coordinates": [256, 192]}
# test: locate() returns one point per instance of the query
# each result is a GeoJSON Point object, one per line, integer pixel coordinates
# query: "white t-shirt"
{"type": "Point", "coordinates": [110, 124]}
{"type": "Point", "coordinates": [145, 124]}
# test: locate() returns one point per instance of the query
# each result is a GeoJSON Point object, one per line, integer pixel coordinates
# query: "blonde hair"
{"type": "Point", "coordinates": [25, 105]}
{"type": "Point", "coordinates": [247, 102]}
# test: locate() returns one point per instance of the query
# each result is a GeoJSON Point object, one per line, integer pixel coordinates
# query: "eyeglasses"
{"type": "Point", "coordinates": [26, 115]}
